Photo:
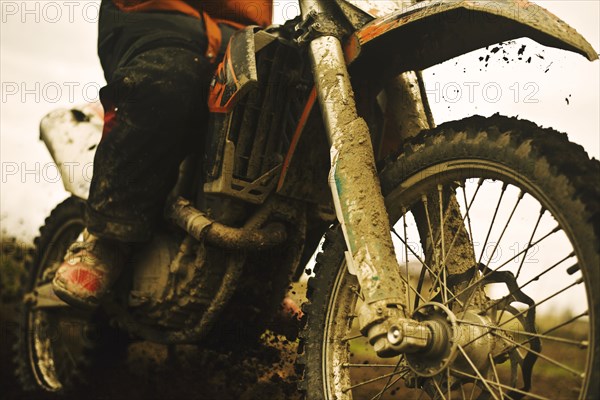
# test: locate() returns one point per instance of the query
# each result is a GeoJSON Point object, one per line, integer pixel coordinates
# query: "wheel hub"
{"type": "Point", "coordinates": [455, 343]}
{"type": "Point", "coordinates": [476, 341]}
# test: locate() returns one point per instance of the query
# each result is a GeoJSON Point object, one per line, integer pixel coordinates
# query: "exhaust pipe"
{"type": "Point", "coordinates": [201, 227]}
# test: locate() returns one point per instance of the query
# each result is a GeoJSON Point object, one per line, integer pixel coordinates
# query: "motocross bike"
{"type": "Point", "coordinates": [320, 127]}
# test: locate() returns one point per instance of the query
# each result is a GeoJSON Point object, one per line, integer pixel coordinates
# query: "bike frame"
{"type": "Point", "coordinates": [354, 183]}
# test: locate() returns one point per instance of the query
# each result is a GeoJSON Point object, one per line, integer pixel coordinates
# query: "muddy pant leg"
{"type": "Point", "coordinates": [156, 115]}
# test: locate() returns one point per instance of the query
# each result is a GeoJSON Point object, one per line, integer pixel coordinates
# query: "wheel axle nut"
{"type": "Point", "coordinates": [395, 335]}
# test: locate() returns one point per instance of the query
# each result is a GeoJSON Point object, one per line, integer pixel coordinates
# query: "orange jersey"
{"type": "Point", "coordinates": [245, 12]}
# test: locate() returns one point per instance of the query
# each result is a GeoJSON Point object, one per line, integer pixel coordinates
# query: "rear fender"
{"type": "Point", "coordinates": [431, 32]}
{"type": "Point", "coordinates": [71, 137]}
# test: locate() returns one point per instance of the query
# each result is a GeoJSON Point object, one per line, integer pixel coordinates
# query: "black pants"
{"type": "Point", "coordinates": [155, 114]}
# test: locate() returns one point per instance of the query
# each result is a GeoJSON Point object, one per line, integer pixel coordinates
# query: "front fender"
{"type": "Point", "coordinates": [431, 32]}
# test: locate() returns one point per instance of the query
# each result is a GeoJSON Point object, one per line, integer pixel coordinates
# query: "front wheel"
{"type": "Point", "coordinates": [496, 227]}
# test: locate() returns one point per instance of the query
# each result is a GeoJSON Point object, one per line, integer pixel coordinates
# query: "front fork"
{"type": "Point", "coordinates": [361, 210]}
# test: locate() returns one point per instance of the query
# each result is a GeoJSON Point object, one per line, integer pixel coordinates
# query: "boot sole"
{"type": "Point", "coordinates": [72, 300]}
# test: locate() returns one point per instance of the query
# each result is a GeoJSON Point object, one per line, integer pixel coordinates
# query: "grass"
{"type": "Point", "coordinates": [13, 256]}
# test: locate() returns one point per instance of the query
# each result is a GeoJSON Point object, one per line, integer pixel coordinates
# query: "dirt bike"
{"type": "Point", "coordinates": [321, 127]}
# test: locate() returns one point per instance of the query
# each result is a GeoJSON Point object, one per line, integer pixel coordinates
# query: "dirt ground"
{"type": "Point", "coordinates": [150, 371]}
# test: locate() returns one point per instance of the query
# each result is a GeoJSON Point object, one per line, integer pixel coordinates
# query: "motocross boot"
{"type": "Point", "coordinates": [89, 270]}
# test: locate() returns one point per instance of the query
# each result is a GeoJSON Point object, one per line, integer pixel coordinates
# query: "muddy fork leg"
{"type": "Point", "coordinates": [360, 206]}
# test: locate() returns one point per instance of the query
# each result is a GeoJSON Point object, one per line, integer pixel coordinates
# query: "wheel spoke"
{"type": "Point", "coordinates": [423, 263]}
{"type": "Point", "coordinates": [581, 343]}
{"type": "Point", "coordinates": [442, 268]}
{"type": "Point", "coordinates": [542, 212]}
{"type": "Point", "coordinates": [419, 286]}
{"type": "Point", "coordinates": [417, 294]}
{"type": "Point", "coordinates": [534, 279]}
{"type": "Point", "coordinates": [462, 390]}
{"type": "Point", "coordinates": [462, 225]}
{"type": "Point", "coordinates": [353, 337]}
{"type": "Point", "coordinates": [561, 325]}
{"type": "Point", "coordinates": [483, 380]}
{"type": "Point", "coordinates": [405, 280]}
{"type": "Point", "coordinates": [406, 258]}
{"type": "Point", "coordinates": [472, 392]}
{"type": "Point", "coordinates": [472, 294]}
{"type": "Point", "coordinates": [578, 374]}
{"type": "Point", "coordinates": [577, 282]}
{"type": "Point", "coordinates": [448, 383]}
{"type": "Point", "coordinates": [537, 223]}
{"type": "Point", "coordinates": [467, 216]}
{"type": "Point", "coordinates": [567, 322]}
{"type": "Point", "coordinates": [358, 293]}
{"type": "Point", "coordinates": [503, 386]}
{"type": "Point", "coordinates": [489, 232]}
{"type": "Point", "coordinates": [433, 247]}
{"type": "Point", "coordinates": [438, 388]}
{"type": "Point", "coordinates": [491, 271]}
{"type": "Point", "coordinates": [493, 364]}
{"type": "Point", "coordinates": [515, 316]}
{"type": "Point", "coordinates": [378, 395]}
{"type": "Point", "coordinates": [479, 184]}
{"type": "Point", "coordinates": [387, 384]}
{"type": "Point", "coordinates": [351, 365]}
{"type": "Point", "coordinates": [402, 372]}
{"type": "Point", "coordinates": [521, 195]}
{"type": "Point", "coordinates": [430, 229]}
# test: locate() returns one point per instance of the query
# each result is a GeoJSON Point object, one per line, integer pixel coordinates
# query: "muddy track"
{"type": "Point", "coordinates": [151, 371]}
{"type": "Point", "coordinates": [264, 370]}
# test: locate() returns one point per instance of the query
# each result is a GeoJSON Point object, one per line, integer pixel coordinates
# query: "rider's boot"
{"type": "Point", "coordinates": [89, 270]}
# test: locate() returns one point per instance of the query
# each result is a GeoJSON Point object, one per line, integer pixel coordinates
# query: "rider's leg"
{"type": "Point", "coordinates": [155, 112]}
{"type": "Point", "coordinates": [158, 102]}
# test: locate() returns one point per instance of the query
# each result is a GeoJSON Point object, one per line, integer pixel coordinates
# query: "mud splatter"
{"type": "Point", "coordinates": [508, 52]}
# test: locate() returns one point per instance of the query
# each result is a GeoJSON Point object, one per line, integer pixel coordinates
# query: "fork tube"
{"type": "Point", "coordinates": [306, 6]}
{"type": "Point", "coordinates": [353, 180]}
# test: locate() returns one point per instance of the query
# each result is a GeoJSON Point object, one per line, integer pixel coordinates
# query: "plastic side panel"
{"type": "Point", "coordinates": [236, 74]}
{"type": "Point", "coordinates": [71, 137]}
{"type": "Point", "coordinates": [434, 31]}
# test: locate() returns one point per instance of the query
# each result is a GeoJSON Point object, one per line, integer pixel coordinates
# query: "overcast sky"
{"type": "Point", "coordinates": [48, 60]}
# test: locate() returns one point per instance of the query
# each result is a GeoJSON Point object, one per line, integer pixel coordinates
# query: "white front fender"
{"type": "Point", "coordinates": [72, 136]}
